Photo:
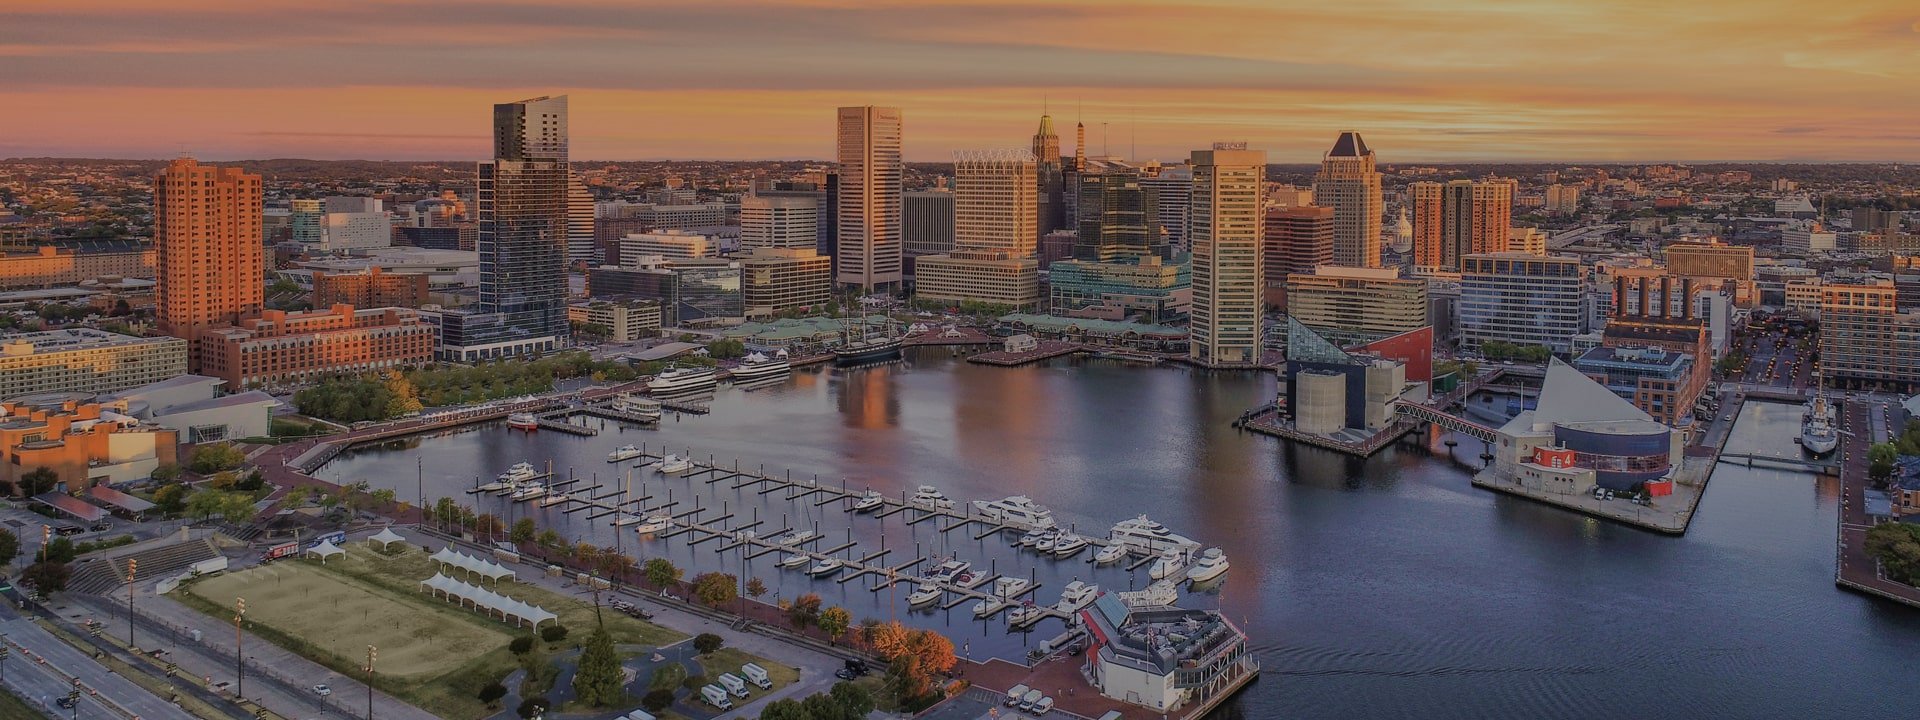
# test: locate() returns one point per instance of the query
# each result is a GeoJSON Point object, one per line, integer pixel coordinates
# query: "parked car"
{"type": "Point", "coordinates": [322, 690]}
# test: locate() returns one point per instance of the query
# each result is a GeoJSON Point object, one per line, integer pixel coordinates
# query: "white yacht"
{"type": "Point", "coordinates": [1150, 537]}
{"type": "Point", "coordinates": [1009, 587]}
{"type": "Point", "coordinates": [1026, 614]}
{"type": "Point", "coordinates": [528, 491]}
{"type": "Point", "coordinates": [1165, 567]}
{"type": "Point", "coordinates": [520, 472]}
{"type": "Point", "coordinates": [1212, 564]}
{"type": "Point", "coordinates": [870, 502]}
{"type": "Point", "coordinates": [501, 485]}
{"type": "Point", "coordinates": [1068, 544]}
{"type": "Point", "coordinates": [925, 593]}
{"type": "Point", "coordinates": [681, 379]}
{"type": "Point", "coordinates": [624, 452]}
{"type": "Point", "coordinates": [644, 407]}
{"type": "Point", "coordinates": [795, 538]}
{"type": "Point", "coordinates": [654, 524]}
{"type": "Point", "coordinates": [988, 607]}
{"type": "Point", "coordinates": [1110, 554]}
{"type": "Point", "coordinates": [759, 367]}
{"type": "Point", "coordinates": [969, 579]}
{"type": "Point", "coordinates": [627, 518]}
{"type": "Point", "coordinates": [1017, 510]}
{"type": "Point", "coordinates": [553, 499]}
{"type": "Point", "coordinates": [1047, 542]}
{"type": "Point", "coordinates": [1029, 539]}
{"type": "Point", "coordinates": [672, 465]}
{"type": "Point", "coordinates": [1077, 595]}
{"type": "Point", "coordinates": [825, 567]}
{"type": "Point", "coordinates": [795, 560]}
{"type": "Point", "coordinates": [930, 497]}
{"type": "Point", "coordinates": [950, 569]}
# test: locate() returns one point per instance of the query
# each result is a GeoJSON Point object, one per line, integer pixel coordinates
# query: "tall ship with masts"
{"type": "Point", "coordinates": [865, 343]}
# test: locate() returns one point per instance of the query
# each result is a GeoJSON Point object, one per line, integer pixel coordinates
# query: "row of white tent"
{"type": "Point", "coordinates": [485, 568]}
{"type": "Point", "coordinates": [487, 600]}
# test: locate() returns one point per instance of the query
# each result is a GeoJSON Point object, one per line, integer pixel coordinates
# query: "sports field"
{"type": "Point", "coordinates": [339, 616]}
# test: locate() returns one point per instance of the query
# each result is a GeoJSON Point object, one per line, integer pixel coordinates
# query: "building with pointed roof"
{"type": "Point", "coordinates": [1349, 183]}
{"type": "Point", "coordinates": [1580, 436]}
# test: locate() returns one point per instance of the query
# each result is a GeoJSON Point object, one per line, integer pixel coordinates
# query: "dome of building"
{"type": "Point", "coordinates": [1403, 233]}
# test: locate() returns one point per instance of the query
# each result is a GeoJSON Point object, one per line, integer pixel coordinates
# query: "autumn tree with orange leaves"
{"type": "Point", "coordinates": [916, 659]}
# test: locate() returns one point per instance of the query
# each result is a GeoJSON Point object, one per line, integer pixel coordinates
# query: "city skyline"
{"type": "Point", "coordinates": [1570, 82]}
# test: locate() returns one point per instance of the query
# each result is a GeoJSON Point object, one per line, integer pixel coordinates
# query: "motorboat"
{"type": "Point", "coordinates": [1150, 537]}
{"type": "Point", "coordinates": [988, 607]}
{"type": "Point", "coordinates": [828, 566]}
{"type": "Point", "coordinates": [1009, 587]}
{"type": "Point", "coordinates": [672, 465]}
{"type": "Point", "coordinates": [654, 524]}
{"type": "Point", "coordinates": [1077, 595]}
{"type": "Point", "coordinates": [1166, 566]}
{"type": "Point", "coordinates": [1030, 538]}
{"type": "Point", "coordinates": [624, 452]}
{"type": "Point", "coordinates": [1047, 542]}
{"type": "Point", "coordinates": [760, 367]}
{"type": "Point", "coordinates": [520, 472]}
{"type": "Point", "coordinates": [682, 379]}
{"type": "Point", "coordinates": [553, 499]}
{"type": "Point", "coordinates": [1068, 544]}
{"type": "Point", "coordinates": [950, 569]}
{"type": "Point", "coordinates": [627, 518]}
{"type": "Point", "coordinates": [528, 491]}
{"type": "Point", "coordinates": [969, 579]}
{"type": "Point", "coordinates": [795, 560]}
{"type": "Point", "coordinates": [795, 538]}
{"type": "Point", "coordinates": [870, 502]}
{"type": "Point", "coordinates": [925, 593]}
{"type": "Point", "coordinates": [523, 421]}
{"type": "Point", "coordinates": [930, 497]}
{"type": "Point", "coordinates": [640, 406]}
{"type": "Point", "coordinates": [1212, 564]}
{"type": "Point", "coordinates": [1110, 554]}
{"type": "Point", "coordinates": [495, 486]}
{"type": "Point", "coordinates": [1018, 510]}
{"type": "Point", "coordinates": [1817, 432]}
{"type": "Point", "coordinates": [1026, 614]}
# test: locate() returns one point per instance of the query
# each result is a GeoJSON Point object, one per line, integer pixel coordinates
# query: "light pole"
{"type": "Point", "coordinates": [239, 670]}
{"type": "Point", "coordinates": [371, 653]}
{"type": "Point", "coordinates": [132, 565]}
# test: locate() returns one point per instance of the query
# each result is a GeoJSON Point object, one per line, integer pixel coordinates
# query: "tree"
{"type": "Point", "coordinates": [166, 473]}
{"type": "Point", "coordinates": [784, 710]}
{"type": "Point", "coordinates": [726, 349]}
{"type": "Point", "coordinates": [553, 633]}
{"type": "Point", "coordinates": [657, 699]}
{"type": "Point", "coordinates": [210, 459]}
{"type": "Point", "coordinates": [39, 480]}
{"type": "Point", "coordinates": [1897, 546]}
{"type": "Point", "coordinates": [661, 572]}
{"type": "Point", "coordinates": [523, 530]}
{"type": "Point", "coordinates": [532, 706]}
{"type": "Point", "coordinates": [46, 577]}
{"type": "Point", "coordinates": [715, 588]}
{"type": "Point", "coordinates": [1881, 458]}
{"type": "Point", "coordinates": [707, 643]}
{"type": "Point", "coordinates": [58, 550]}
{"type": "Point", "coordinates": [9, 546]}
{"type": "Point", "coordinates": [597, 682]}
{"type": "Point", "coordinates": [804, 611]}
{"type": "Point", "coordinates": [755, 587]}
{"type": "Point", "coordinates": [822, 706]}
{"type": "Point", "coordinates": [223, 480]}
{"type": "Point", "coordinates": [915, 659]}
{"type": "Point", "coordinates": [694, 682]}
{"type": "Point", "coordinates": [855, 701]}
{"type": "Point", "coordinates": [520, 645]}
{"type": "Point", "coordinates": [834, 621]}
{"type": "Point", "coordinates": [491, 693]}
{"type": "Point", "coordinates": [548, 539]}
{"type": "Point", "coordinates": [171, 498]}
{"type": "Point", "coordinates": [382, 497]}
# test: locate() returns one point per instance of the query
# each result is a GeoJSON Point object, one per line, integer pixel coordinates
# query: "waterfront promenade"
{"type": "Point", "coordinates": [1853, 568]}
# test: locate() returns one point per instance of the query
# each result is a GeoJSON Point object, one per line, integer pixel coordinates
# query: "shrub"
{"type": "Point", "coordinates": [553, 633]}
{"type": "Point", "coordinates": [707, 643]}
{"type": "Point", "coordinates": [656, 700]}
{"type": "Point", "coordinates": [521, 645]}
{"type": "Point", "coordinates": [491, 693]}
{"type": "Point", "coordinates": [694, 682]}
{"type": "Point", "coordinates": [532, 706]}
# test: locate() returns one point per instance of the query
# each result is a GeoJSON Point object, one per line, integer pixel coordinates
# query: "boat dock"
{"type": "Point", "coordinates": [1046, 350]}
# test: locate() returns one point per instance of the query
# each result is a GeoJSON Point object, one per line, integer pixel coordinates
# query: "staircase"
{"type": "Point", "coordinates": [107, 574]}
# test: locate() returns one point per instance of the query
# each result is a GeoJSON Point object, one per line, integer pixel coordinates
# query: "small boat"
{"type": "Point", "coordinates": [828, 566]}
{"type": "Point", "coordinates": [1077, 595]}
{"type": "Point", "coordinates": [795, 538]}
{"type": "Point", "coordinates": [870, 502]}
{"type": "Point", "coordinates": [528, 491]}
{"type": "Point", "coordinates": [988, 607]}
{"type": "Point", "coordinates": [1018, 510]}
{"type": "Point", "coordinates": [924, 593]}
{"type": "Point", "coordinates": [795, 560]}
{"type": "Point", "coordinates": [553, 499]}
{"type": "Point", "coordinates": [760, 367]}
{"type": "Point", "coordinates": [1212, 564]}
{"type": "Point", "coordinates": [1068, 545]}
{"type": "Point", "coordinates": [523, 421]}
{"type": "Point", "coordinates": [1030, 538]}
{"type": "Point", "coordinates": [1026, 614]}
{"type": "Point", "coordinates": [680, 379]}
{"type": "Point", "coordinates": [624, 452]}
{"type": "Point", "coordinates": [1009, 587]}
{"type": "Point", "coordinates": [1165, 567]}
{"type": "Point", "coordinates": [930, 497]}
{"type": "Point", "coordinates": [627, 518]}
{"type": "Point", "coordinates": [950, 569]}
{"type": "Point", "coordinates": [1047, 542]}
{"type": "Point", "coordinates": [1110, 554]}
{"type": "Point", "coordinates": [969, 579]}
{"type": "Point", "coordinates": [520, 472]}
{"type": "Point", "coordinates": [495, 486]}
{"type": "Point", "coordinates": [672, 465]}
{"type": "Point", "coordinates": [654, 524]}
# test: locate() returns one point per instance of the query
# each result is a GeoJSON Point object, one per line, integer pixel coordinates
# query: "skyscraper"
{"type": "Point", "coordinates": [1350, 184]}
{"type": "Point", "coordinates": [1172, 190]}
{"type": "Point", "coordinates": [1050, 173]}
{"type": "Point", "coordinates": [1458, 218]}
{"type": "Point", "coordinates": [210, 265]}
{"type": "Point", "coordinates": [523, 211]}
{"type": "Point", "coordinates": [1298, 240]}
{"type": "Point", "coordinates": [1118, 218]}
{"type": "Point", "coordinates": [1225, 230]}
{"type": "Point", "coordinates": [868, 247]}
{"type": "Point", "coordinates": [994, 211]}
{"type": "Point", "coordinates": [779, 222]}
{"type": "Point", "coordinates": [580, 220]}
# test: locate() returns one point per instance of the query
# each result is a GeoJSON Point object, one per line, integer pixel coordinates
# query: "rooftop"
{"type": "Point", "coordinates": [1570, 399]}
{"type": "Point", "coordinates": [71, 340]}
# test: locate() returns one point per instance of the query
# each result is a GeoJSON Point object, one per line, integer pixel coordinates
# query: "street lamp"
{"type": "Point", "coordinates": [239, 670]}
{"type": "Point", "coordinates": [371, 654]}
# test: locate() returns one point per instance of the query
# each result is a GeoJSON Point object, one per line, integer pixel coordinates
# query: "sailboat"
{"type": "Point", "coordinates": [866, 347]}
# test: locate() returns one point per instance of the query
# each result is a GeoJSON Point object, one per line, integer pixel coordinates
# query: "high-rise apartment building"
{"type": "Point", "coordinates": [1172, 191]}
{"type": "Point", "coordinates": [580, 219]}
{"type": "Point", "coordinates": [304, 220]}
{"type": "Point", "coordinates": [209, 256]}
{"type": "Point", "coordinates": [994, 215]}
{"type": "Point", "coordinates": [1563, 199]}
{"type": "Point", "coordinates": [1521, 299]}
{"type": "Point", "coordinates": [868, 245]}
{"type": "Point", "coordinates": [1299, 239]}
{"type": "Point", "coordinates": [779, 222]}
{"type": "Point", "coordinates": [1350, 184]}
{"type": "Point", "coordinates": [1457, 218]}
{"type": "Point", "coordinates": [1866, 340]}
{"type": "Point", "coordinates": [1224, 227]}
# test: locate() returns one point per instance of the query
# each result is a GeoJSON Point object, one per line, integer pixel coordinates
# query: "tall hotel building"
{"type": "Point", "coordinates": [995, 210]}
{"type": "Point", "coordinates": [1457, 218]}
{"type": "Point", "coordinates": [1225, 229]}
{"type": "Point", "coordinates": [580, 220]}
{"type": "Point", "coordinates": [209, 255]}
{"type": "Point", "coordinates": [523, 211]}
{"type": "Point", "coordinates": [1350, 184]}
{"type": "Point", "coordinates": [868, 253]}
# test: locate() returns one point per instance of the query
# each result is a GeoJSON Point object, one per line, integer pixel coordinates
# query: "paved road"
{"type": "Point", "coordinates": [44, 681]}
{"type": "Point", "coordinates": [1855, 565]}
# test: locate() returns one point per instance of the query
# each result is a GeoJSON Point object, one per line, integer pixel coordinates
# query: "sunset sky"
{"type": "Point", "coordinates": [1425, 80]}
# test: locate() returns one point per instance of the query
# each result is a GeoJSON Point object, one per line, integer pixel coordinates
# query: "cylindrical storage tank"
{"type": "Point", "coordinates": [1322, 405]}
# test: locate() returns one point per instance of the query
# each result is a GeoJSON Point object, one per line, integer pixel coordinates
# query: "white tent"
{"type": "Point", "coordinates": [472, 565]}
{"type": "Point", "coordinates": [325, 550]}
{"type": "Point", "coordinates": [486, 600]}
{"type": "Point", "coordinates": [386, 537]}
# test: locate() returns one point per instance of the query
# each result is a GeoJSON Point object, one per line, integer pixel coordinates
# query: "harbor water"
{"type": "Point", "coordinates": [1371, 588]}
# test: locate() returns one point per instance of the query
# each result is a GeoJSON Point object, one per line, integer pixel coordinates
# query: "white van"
{"type": "Point", "coordinates": [757, 675]}
{"type": "Point", "coordinates": [640, 715]}
{"type": "Point", "coordinates": [716, 697]}
{"type": "Point", "coordinates": [733, 684]}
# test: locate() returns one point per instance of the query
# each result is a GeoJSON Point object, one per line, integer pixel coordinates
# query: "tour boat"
{"type": "Point", "coordinates": [654, 524]}
{"type": "Point", "coordinates": [681, 379]}
{"type": "Point", "coordinates": [1212, 564]}
{"type": "Point", "coordinates": [988, 607]}
{"type": "Point", "coordinates": [795, 560]}
{"type": "Point", "coordinates": [930, 497]}
{"type": "Point", "coordinates": [969, 579]}
{"type": "Point", "coordinates": [825, 567]}
{"type": "Point", "coordinates": [760, 367]}
{"type": "Point", "coordinates": [624, 452]}
{"type": "Point", "coordinates": [553, 499]}
{"type": "Point", "coordinates": [1077, 595]}
{"type": "Point", "coordinates": [1110, 554]}
{"type": "Point", "coordinates": [1026, 614]}
{"type": "Point", "coordinates": [795, 538]}
{"type": "Point", "coordinates": [1150, 537]}
{"type": "Point", "coordinates": [1009, 587]}
{"type": "Point", "coordinates": [1016, 510]}
{"type": "Point", "coordinates": [1068, 544]}
{"type": "Point", "coordinates": [528, 491]}
{"type": "Point", "coordinates": [523, 421]}
{"type": "Point", "coordinates": [645, 408]}
{"type": "Point", "coordinates": [519, 472]}
{"type": "Point", "coordinates": [925, 593]}
{"type": "Point", "coordinates": [870, 502]}
{"type": "Point", "coordinates": [1166, 566]}
{"type": "Point", "coordinates": [1817, 432]}
{"type": "Point", "coordinates": [672, 465]}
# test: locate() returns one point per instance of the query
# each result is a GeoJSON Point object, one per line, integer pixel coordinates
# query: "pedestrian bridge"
{"type": "Point", "coordinates": [1445, 419]}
